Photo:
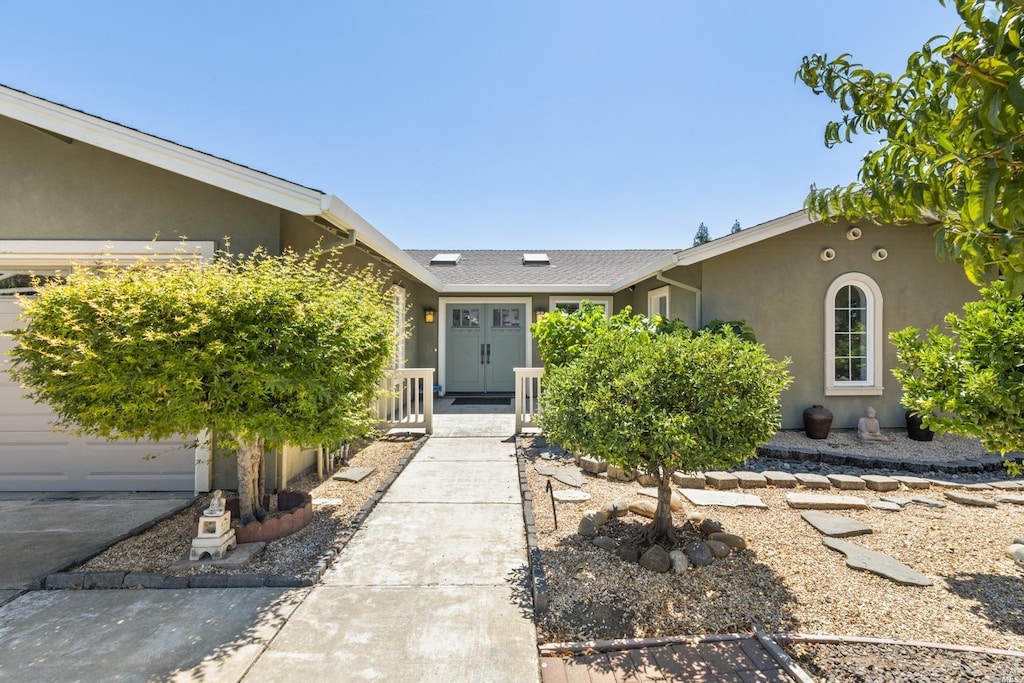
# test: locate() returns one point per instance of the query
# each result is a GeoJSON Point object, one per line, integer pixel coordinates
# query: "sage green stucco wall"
{"type": "Point", "coordinates": [55, 190]}
{"type": "Point", "coordinates": [682, 303]}
{"type": "Point", "coordinates": [779, 287]}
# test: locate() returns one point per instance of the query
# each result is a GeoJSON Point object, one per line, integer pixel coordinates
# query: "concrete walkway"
{"type": "Point", "coordinates": [432, 588]}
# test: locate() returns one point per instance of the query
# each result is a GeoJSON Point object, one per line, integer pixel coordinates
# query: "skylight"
{"type": "Point", "coordinates": [536, 259]}
{"type": "Point", "coordinates": [445, 259]}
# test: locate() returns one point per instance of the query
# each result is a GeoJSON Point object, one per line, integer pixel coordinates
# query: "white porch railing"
{"type": "Point", "coordinates": [528, 383]}
{"type": "Point", "coordinates": [407, 399]}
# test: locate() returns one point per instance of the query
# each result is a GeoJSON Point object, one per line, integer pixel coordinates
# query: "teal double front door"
{"type": "Point", "coordinates": [483, 343]}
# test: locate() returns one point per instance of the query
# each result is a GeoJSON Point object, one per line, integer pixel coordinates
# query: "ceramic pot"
{"type": "Point", "coordinates": [916, 430]}
{"type": "Point", "coordinates": [817, 422]}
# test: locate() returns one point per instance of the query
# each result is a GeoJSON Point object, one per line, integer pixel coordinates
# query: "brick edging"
{"type": "Point", "coordinates": [866, 640]}
{"type": "Point", "coordinates": [989, 463]}
{"type": "Point", "coordinates": [124, 579]}
{"type": "Point", "coordinates": [538, 579]}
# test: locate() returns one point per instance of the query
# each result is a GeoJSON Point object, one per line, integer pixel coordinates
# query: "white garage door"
{"type": "Point", "coordinates": [34, 457]}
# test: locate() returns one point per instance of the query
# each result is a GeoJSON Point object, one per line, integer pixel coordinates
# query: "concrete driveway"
{"type": "Point", "coordinates": [44, 533]}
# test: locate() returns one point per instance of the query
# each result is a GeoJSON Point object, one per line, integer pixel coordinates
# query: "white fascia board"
{"type": "Point", "coordinates": [744, 238]}
{"type": "Point", "coordinates": [648, 271]}
{"type": "Point", "coordinates": [48, 254]}
{"type": "Point", "coordinates": [527, 289]}
{"type": "Point", "coordinates": [157, 152]}
{"type": "Point", "coordinates": [338, 213]}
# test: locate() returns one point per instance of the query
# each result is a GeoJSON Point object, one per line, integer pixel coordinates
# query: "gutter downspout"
{"type": "Point", "coordinates": [660, 277]}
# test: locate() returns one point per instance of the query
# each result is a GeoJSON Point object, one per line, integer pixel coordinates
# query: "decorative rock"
{"type": "Point", "coordinates": [967, 499]}
{"type": "Point", "coordinates": [1016, 553]}
{"type": "Point", "coordinates": [895, 500]}
{"type": "Point", "coordinates": [813, 481]}
{"type": "Point", "coordinates": [680, 562]}
{"type": "Point", "coordinates": [694, 517]}
{"type": "Point", "coordinates": [732, 540]}
{"type": "Point", "coordinates": [616, 508]}
{"type": "Point", "coordinates": [644, 508]}
{"type": "Point", "coordinates": [836, 526]}
{"type": "Point", "coordinates": [570, 496]}
{"type": "Point", "coordinates": [877, 563]}
{"type": "Point", "coordinates": [1011, 499]}
{"type": "Point", "coordinates": [605, 543]}
{"type": "Point", "coordinates": [847, 482]}
{"type": "Point", "coordinates": [818, 501]}
{"type": "Point", "coordinates": [783, 480]}
{"type": "Point", "coordinates": [876, 482]}
{"type": "Point", "coordinates": [353, 474]}
{"type": "Point", "coordinates": [688, 480]}
{"type": "Point", "coordinates": [718, 549]}
{"type": "Point", "coordinates": [699, 554]}
{"type": "Point", "coordinates": [751, 480]}
{"type": "Point", "coordinates": [886, 505]}
{"type": "Point", "coordinates": [656, 559]}
{"type": "Point", "coordinates": [913, 482]}
{"type": "Point", "coordinates": [587, 528]}
{"type": "Point", "coordinates": [927, 502]}
{"type": "Point", "coordinates": [627, 553]}
{"type": "Point", "coordinates": [592, 465]}
{"type": "Point", "coordinates": [710, 526]}
{"type": "Point", "coordinates": [616, 473]}
{"type": "Point", "coordinates": [568, 475]}
{"type": "Point", "coordinates": [723, 498]}
{"type": "Point", "coordinates": [721, 480]}
{"type": "Point", "coordinates": [676, 504]}
{"type": "Point", "coordinates": [600, 517]}
{"type": "Point", "coordinates": [1019, 541]}
{"type": "Point", "coordinates": [647, 480]}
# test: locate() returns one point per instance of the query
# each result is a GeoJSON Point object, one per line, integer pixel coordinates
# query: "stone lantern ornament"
{"type": "Point", "coordinates": [216, 537]}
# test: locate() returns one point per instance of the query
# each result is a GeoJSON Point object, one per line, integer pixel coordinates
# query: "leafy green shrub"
{"type": "Point", "coordinates": [561, 336]}
{"type": "Point", "coordinates": [739, 327]}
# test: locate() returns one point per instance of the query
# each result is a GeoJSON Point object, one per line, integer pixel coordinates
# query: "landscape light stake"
{"type": "Point", "coordinates": [551, 490]}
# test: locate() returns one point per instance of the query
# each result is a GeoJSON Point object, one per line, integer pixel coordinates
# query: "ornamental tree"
{"type": "Point", "coordinates": [701, 236]}
{"type": "Point", "coordinates": [658, 403]}
{"type": "Point", "coordinates": [261, 350]}
{"type": "Point", "coordinates": [970, 381]}
{"type": "Point", "coordinates": [952, 139]}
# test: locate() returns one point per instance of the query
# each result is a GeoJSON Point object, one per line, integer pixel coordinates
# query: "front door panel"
{"type": "Point", "coordinates": [484, 342]}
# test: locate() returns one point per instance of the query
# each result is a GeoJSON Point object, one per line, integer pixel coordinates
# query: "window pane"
{"type": "Point", "coordinates": [842, 345]}
{"type": "Point", "coordinates": [858, 370]}
{"type": "Point", "coordinates": [842, 369]}
{"type": "Point", "coordinates": [843, 297]}
{"type": "Point", "coordinates": [858, 346]}
{"type": "Point", "coordinates": [842, 321]}
{"type": "Point", "coordinates": [857, 299]}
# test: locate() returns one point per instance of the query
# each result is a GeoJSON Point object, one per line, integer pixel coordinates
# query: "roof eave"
{"type": "Point", "coordinates": [744, 238]}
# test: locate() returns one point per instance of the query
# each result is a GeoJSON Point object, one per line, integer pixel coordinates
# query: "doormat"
{"type": "Point", "coordinates": [481, 401]}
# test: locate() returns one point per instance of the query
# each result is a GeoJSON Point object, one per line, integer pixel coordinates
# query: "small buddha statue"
{"type": "Point", "coordinates": [868, 429]}
{"type": "Point", "coordinates": [216, 507]}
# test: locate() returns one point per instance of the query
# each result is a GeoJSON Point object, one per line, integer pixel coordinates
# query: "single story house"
{"type": "Point", "coordinates": [74, 186]}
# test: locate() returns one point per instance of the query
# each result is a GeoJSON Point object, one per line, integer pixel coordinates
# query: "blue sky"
{"type": "Point", "coordinates": [543, 125]}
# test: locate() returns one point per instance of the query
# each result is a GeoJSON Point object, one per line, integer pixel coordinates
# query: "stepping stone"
{"type": "Point", "coordinates": [353, 474]}
{"type": "Point", "coordinates": [836, 526]}
{"type": "Point", "coordinates": [571, 476]}
{"type": "Point", "coordinates": [877, 482]}
{"type": "Point", "coordinates": [1006, 485]}
{"type": "Point", "coordinates": [847, 482]}
{"type": "Point", "coordinates": [943, 484]}
{"type": "Point", "coordinates": [688, 480]}
{"type": "Point", "coordinates": [813, 481]}
{"type": "Point", "coordinates": [913, 482]}
{"type": "Point", "coordinates": [966, 499]}
{"type": "Point", "coordinates": [721, 480]}
{"type": "Point", "coordinates": [897, 501]}
{"type": "Point", "coordinates": [723, 498]}
{"type": "Point", "coordinates": [820, 501]}
{"type": "Point", "coordinates": [677, 502]}
{"type": "Point", "coordinates": [886, 505]}
{"type": "Point", "coordinates": [750, 480]}
{"type": "Point", "coordinates": [328, 501]}
{"type": "Point", "coordinates": [976, 487]}
{"type": "Point", "coordinates": [570, 496]}
{"type": "Point", "coordinates": [927, 502]}
{"type": "Point", "coordinates": [1011, 499]}
{"type": "Point", "coordinates": [782, 480]}
{"type": "Point", "coordinates": [592, 465]}
{"type": "Point", "coordinates": [858, 557]}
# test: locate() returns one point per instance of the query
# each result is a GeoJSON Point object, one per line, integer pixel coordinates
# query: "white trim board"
{"type": "Point", "coordinates": [23, 255]}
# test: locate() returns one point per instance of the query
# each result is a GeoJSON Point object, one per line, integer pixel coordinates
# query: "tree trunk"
{"type": "Point", "coordinates": [250, 491]}
{"type": "Point", "coordinates": [661, 529]}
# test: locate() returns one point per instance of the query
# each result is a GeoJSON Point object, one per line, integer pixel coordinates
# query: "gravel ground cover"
{"type": "Point", "coordinates": [787, 581]}
{"type": "Point", "coordinates": [335, 503]}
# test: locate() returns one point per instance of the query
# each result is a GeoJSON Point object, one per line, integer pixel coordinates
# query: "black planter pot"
{"type": "Point", "coordinates": [916, 430]}
{"type": "Point", "coordinates": [817, 422]}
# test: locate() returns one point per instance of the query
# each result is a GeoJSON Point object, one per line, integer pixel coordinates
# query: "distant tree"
{"type": "Point", "coordinates": [658, 403]}
{"type": "Point", "coordinates": [952, 139]}
{"type": "Point", "coordinates": [735, 227]}
{"type": "Point", "coordinates": [971, 381]}
{"type": "Point", "coordinates": [702, 236]}
{"type": "Point", "coordinates": [261, 350]}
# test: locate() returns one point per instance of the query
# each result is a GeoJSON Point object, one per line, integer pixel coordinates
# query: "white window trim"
{"type": "Point", "coordinates": [652, 301]}
{"type": "Point", "coordinates": [873, 385]}
{"type": "Point", "coordinates": [607, 301]}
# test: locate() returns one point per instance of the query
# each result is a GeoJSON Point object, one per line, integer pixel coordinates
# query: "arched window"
{"type": "Point", "coordinates": [853, 336]}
